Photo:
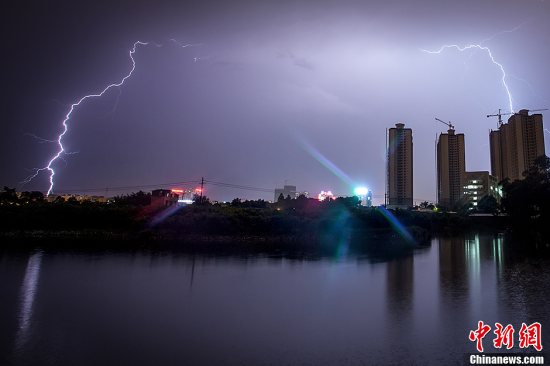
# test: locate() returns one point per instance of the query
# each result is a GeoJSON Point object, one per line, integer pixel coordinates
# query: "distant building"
{"type": "Point", "coordinates": [367, 199]}
{"type": "Point", "coordinates": [324, 195]}
{"type": "Point", "coordinates": [478, 185]}
{"type": "Point", "coordinates": [364, 194]}
{"type": "Point", "coordinates": [285, 191]}
{"type": "Point", "coordinates": [78, 198]}
{"type": "Point", "coordinates": [185, 196]}
{"type": "Point", "coordinates": [163, 198]}
{"type": "Point", "coordinates": [450, 168]}
{"type": "Point", "coordinates": [400, 167]}
{"type": "Point", "coordinates": [516, 145]}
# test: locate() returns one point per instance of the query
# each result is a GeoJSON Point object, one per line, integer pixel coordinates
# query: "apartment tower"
{"type": "Point", "coordinates": [516, 145]}
{"type": "Point", "coordinates": [450, 168]}
{"type": "Point", "coordinates": [400, 167]}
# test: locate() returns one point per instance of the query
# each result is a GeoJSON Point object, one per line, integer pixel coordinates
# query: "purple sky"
{"type": "Point", "coordinates": [270, 78]}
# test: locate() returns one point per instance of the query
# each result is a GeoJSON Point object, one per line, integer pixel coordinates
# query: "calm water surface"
{"type": "Point", "coordinates": [414, 306]}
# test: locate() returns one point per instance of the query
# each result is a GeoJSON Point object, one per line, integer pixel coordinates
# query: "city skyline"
{"type": "Point", "coordinates": [229, 107]}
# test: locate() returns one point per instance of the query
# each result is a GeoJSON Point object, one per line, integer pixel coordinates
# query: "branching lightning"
{"type": "Point", "coordinates": [503, 32]}
{"type": "Point", "coordinates": [488, 50]}
{"type": "Point", "coordinates": [480, 46]}
{"type": "Point", "coordinates": [65, 123]}
{"type": "Point", "coordinates": [40, 139]}
{"type": "Point", "coordinates": [184, 45]}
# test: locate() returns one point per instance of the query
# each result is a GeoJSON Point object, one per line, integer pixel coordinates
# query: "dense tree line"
{"type": "Point", "coordinates": [8, 196]}
{"type": "Point", "coordinates": [527, 201]}
{"type": "Point", "coordinates": [133, 199]}
{"type": "Point", "coordinates": [31, 211]}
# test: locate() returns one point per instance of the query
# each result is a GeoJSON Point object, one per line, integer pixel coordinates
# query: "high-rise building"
{"type": "Point", "coordinates": [516, 145]}
{"type": "Point", "coordinates": [400, 167]}
{"type": "Point", "coordinates": [450, 168]}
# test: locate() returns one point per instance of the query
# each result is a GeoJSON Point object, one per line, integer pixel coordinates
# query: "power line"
{"type": "Point", "coordinates": [238, 186]}
{"type": "Point", "coordinates": [121, 188]}
{"type": "Point", "coordinates": [196, 181]}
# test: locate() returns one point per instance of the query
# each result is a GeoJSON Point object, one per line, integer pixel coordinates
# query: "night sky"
{"type": "Point", "coordinates": [263, 86]}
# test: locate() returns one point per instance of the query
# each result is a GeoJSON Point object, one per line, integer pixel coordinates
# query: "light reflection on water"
{"type": "Point", "coordinates": [28, 291]}
{"type": "Point", "coordinates": [413, 306]}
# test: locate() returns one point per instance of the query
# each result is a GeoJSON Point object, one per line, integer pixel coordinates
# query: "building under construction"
{"type": "Point", "coordinates": [516, 145]}
{"type": "Point", "coordinates": [451, 168]}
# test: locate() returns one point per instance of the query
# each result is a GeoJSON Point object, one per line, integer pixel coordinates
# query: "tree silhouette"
{"type": "Point", "coordinates": [488, 204]}
{"type": "Point", "coordinates": [135, 199]}
{"type": "Point", "coordinates": [8, 195]}
{"type": "Point", "coordinates": [201, 200]}
{"type": "Point", "coordinates": [529, 199]}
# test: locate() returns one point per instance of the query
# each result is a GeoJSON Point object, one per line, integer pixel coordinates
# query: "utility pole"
{"type": "Point", "coordinates": [436, 175]}
{"type": "Point", "coordinates": [386, 183]}
{"type": "Point", "coordinates": [202, 188]}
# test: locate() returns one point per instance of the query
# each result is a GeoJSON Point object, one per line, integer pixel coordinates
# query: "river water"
{"type": "Point", "coordinates": [412, 307]}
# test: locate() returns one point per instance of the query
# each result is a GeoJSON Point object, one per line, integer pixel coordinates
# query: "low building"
{"type": "Point", "coordinates": [304, 193]}
{"type": "Point", "coordinates": [285, 191]}
{"type": "Point", "coordinates": [368, 199]}
{"type": "Point", "coordinates": [324, 195]}
{"type": "Point", "coordinates": [478, 185]}
{"type": "Point", "coordinates": [163, 198]}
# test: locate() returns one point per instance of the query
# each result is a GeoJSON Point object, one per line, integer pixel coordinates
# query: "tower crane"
{"type": "Point", "coordinates": [500, 114]}
{"type": "Point", "coordinates": [449, 124]}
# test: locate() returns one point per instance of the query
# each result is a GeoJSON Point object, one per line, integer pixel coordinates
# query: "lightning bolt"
{"type": "Point", "coordinates": [490, 54]}
{"type": "Point", "coordinates": [503, 32]}
{"type": "Point", "coordinates": [39, 139]}
{"type": "Point", "coordinates": [184, 45]}
{"type": "Point", "coordinates": [65, 123]}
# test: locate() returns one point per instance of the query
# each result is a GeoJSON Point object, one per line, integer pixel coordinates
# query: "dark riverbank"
{"type": "Point", "coordinates": [108, 223]}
